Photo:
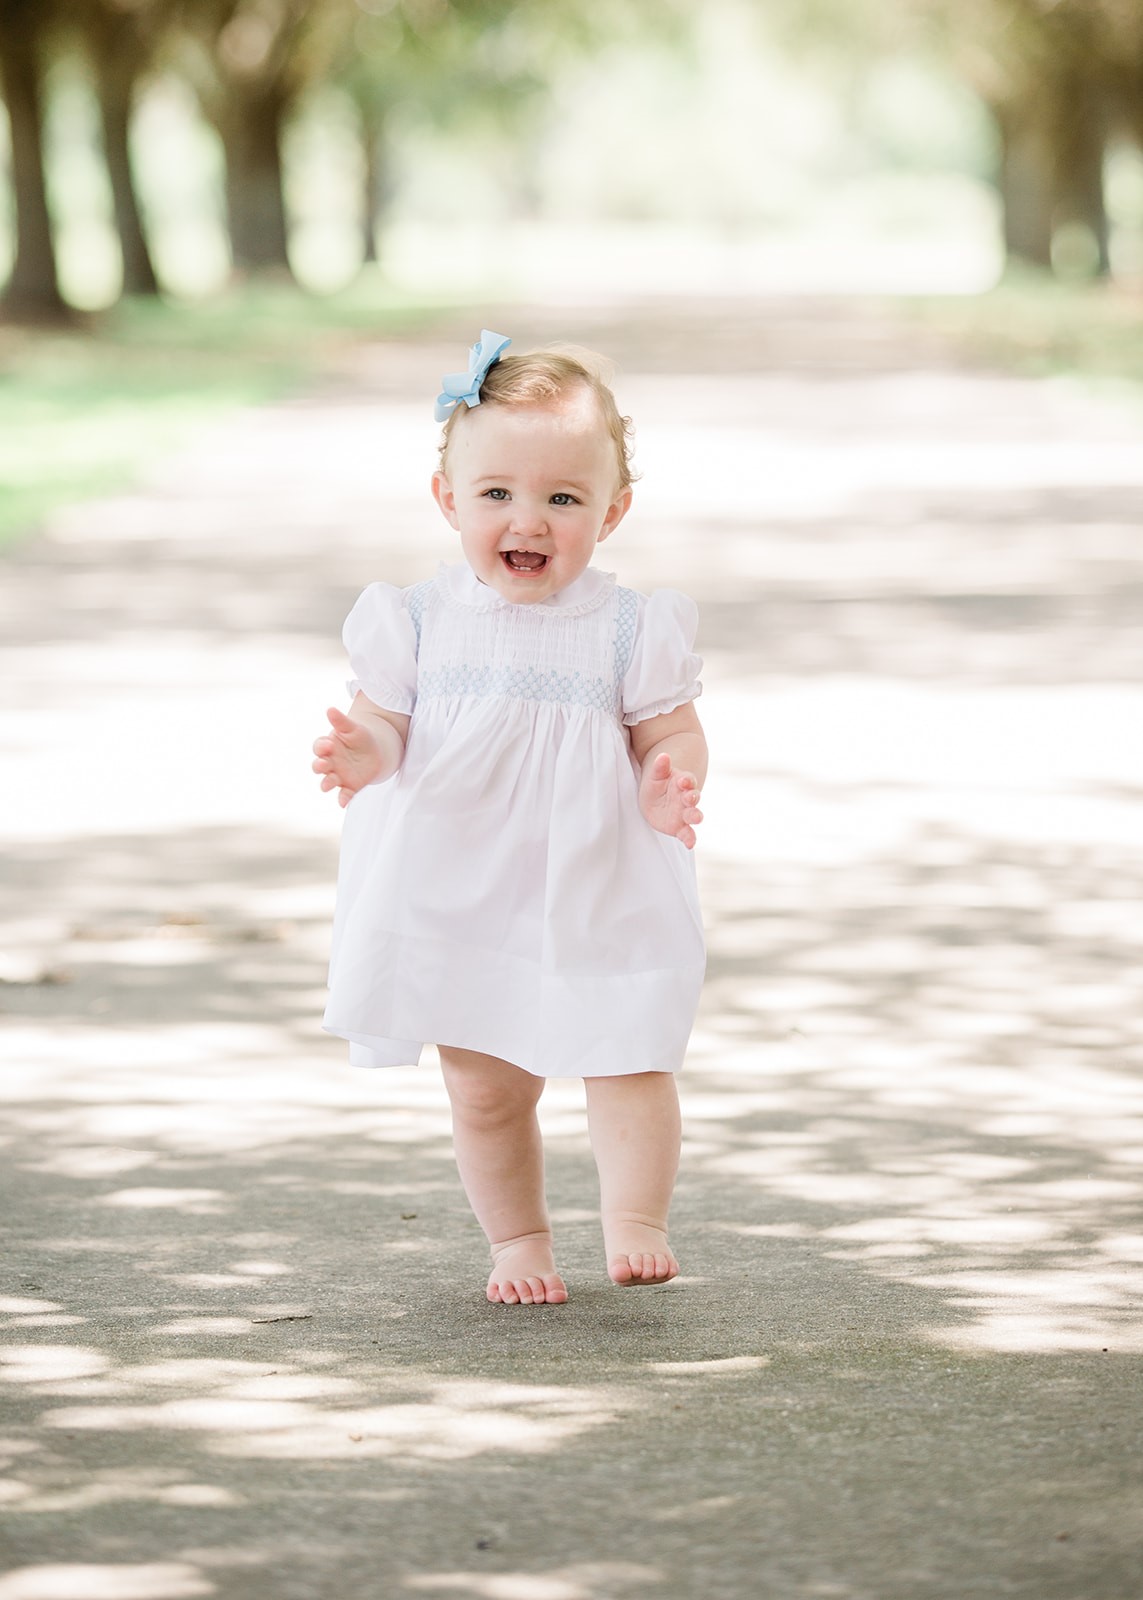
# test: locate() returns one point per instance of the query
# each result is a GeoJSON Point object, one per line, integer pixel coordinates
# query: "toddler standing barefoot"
{"type": "Point", "coordinates": [524, 764]}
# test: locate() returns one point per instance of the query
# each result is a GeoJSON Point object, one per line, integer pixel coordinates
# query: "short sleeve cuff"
{"type": "Point", "coordinates": [381, 642]}
{"type": "Point", "coordinates": [663, 672]}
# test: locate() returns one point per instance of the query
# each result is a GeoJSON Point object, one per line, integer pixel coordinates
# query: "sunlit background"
{"type": "Point", "coordinates": [738, 145]}
{"type": "Point", "coordinates": [211, 191]}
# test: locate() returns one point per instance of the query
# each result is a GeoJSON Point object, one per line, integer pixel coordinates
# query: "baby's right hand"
{"type": "Point", "coordinates": [347, 756]}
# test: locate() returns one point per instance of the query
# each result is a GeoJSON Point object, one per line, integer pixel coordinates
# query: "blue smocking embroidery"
{"type": "Point", "coordinates": [520, 683]}
{"type": "Point", "coordinates": [415, 605]}
{"type": "Point", "coordinates": [485, 680]}
{"type": "Point", "coordinates": [626, 616]}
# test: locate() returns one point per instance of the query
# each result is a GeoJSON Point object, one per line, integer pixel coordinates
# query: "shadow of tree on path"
{"type": "Point", "coordinates": [243, 1348]}
{"type": "Point", "coordinates": [244, 1345]}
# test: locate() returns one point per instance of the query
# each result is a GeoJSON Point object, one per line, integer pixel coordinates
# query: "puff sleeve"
{"type": "Point", "coordinates": [663, 672]}
{"type": "Point", "coordinates": [381, 641]}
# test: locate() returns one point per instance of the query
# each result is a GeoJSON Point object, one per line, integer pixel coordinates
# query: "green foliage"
{"type": "Point", "coordinates": [83, 413]}
{"type": "Point", "coordinates": [1031, 324]}
{"type": "Point", "coordinates": [479, 66]}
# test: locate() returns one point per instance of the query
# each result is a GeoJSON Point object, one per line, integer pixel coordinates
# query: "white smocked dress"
{"type": "Point", "coordinates": [502, 891]}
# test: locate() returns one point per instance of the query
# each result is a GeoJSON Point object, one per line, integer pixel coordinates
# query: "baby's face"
{"type": "Point", "coordinates": [531, 491]}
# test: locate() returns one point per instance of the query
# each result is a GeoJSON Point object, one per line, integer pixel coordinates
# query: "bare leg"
{"type": "Point", "coordinates": [500, 1157]}
{"type": "Point", "coordinates": [635, 1136]}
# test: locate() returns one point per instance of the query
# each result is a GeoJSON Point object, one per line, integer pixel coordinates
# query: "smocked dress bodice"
{"type": "Point", "coordinates": [502, 892]}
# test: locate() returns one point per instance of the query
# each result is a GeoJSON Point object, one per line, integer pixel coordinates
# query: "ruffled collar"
{"type": "Point", "coordinates": [460, 585]}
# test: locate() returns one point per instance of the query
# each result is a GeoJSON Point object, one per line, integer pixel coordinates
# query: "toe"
{"type": "Point", "coordinates": [642, 1266]}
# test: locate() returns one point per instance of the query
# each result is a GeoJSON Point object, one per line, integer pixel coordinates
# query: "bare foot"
{"type": "Point", "coordinates": [524, 1273]}
{"type": "Point", "coordinates": [638, 1254]}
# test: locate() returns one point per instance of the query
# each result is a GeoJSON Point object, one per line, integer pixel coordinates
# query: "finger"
{"type": "Point", "coordinates": [340, 721]}
{"type": "Point", "coordinates": [323, 746]}
{"type": "Point", "coordinates": [661, 767]}
{"type": "Point", "coordinates": [330, 782]}
{"type": "Point", "coordinates": [344, 796]}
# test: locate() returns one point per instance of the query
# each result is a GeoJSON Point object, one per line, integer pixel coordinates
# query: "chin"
{"type": "Point", "coordinates": [523, 594]}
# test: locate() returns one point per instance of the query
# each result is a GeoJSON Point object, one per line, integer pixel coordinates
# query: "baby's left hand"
{"type": "Point", "coordinates": [669, 800]}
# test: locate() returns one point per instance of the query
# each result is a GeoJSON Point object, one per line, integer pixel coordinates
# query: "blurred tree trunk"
{"type": "Point", "coordinates": [1080, 138]}
{"type": "Point", "coordinates": [119, 55]}
{"type": "Point", "coordinates": [251, 128]}
{"type": "Point", "coordinates": [377, 171]}
{"type": "Point", "coordinates": [1051, 170]}
{"type": "Point", "coordinates": [1025, 184]}
{"type": "Point", "coordinates": [369, 209]}
{"type": "Point", "coordinates": [33, 289]}
{"type": "Point", "coordinates": [1081, 196]}
{"type": "Point", "coordinates": [376, 182]}
{"type": "Point", "coordinates": [249, 60]}
{"type": "Point", "coordinates": [1052, 73]}
{"type": "Point", "coordinates": [1132, 101]}
{"type": "Point", "coordinates": [1127, 85]}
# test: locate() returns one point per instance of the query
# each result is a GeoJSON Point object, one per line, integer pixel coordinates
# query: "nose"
{"type": "Point", "coordinates": [529, 521]}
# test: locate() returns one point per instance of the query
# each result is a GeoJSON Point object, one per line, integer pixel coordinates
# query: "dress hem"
{"type": "Point", "coordinates": [373, 1053]}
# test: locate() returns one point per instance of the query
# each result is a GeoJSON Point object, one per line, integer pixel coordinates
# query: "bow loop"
{"type": "Point", "coordinates": [458, 386]}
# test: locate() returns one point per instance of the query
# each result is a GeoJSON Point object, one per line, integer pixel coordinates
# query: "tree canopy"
{"type": "Point", "coordinates": [1061, 80]}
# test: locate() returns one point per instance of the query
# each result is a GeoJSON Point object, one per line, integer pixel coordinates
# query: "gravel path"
{"type": "Point", "coordinates": [244, 1351]}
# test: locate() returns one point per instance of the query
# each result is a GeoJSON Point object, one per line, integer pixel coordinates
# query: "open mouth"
{"type": "Point", "coordinates": [523, 560]}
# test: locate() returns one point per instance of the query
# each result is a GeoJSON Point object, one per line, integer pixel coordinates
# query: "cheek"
{"type": "Point", "coordinates": [470, 514]}
{"type": "Point", "coordinates": [481, 525]}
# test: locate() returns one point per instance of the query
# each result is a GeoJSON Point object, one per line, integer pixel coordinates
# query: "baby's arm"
{"type": "Point", "coordinates": [364, 747]}
{"type": "Point", "coordinates": [672, 757]}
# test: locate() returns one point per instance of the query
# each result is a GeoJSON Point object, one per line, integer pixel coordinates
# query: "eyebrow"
{"type": "Point", "coordinates": [561, 487]}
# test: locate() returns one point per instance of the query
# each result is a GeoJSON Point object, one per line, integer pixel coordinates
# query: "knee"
{"type": "Point", "coordinates": [487, 1093]}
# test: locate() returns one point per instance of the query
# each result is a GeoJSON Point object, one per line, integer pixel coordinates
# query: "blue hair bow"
{"type": "Point", "coordinates": [465, 386]}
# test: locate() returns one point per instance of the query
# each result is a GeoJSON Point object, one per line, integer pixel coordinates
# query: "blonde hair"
{"type": "Point", "coordinates": [543, 377]}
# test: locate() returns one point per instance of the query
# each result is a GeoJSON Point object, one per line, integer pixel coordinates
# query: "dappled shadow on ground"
{"type": "Point", "coordinates": [170, 930]}
{"type": "Point", "coordinates": [950, 1049]}
{"type": "Point", "coordinates": [913, 594]}
{"type": "Point", "coordinates": [933, 1056]}
{"type": "Point", "coordinates": [243, 1345]}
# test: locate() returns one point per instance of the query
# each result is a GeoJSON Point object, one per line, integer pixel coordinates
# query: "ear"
{"type": "Point", "coordinates": [616, 512]}
{"type": "Point", "coordinates": [444, 497]}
